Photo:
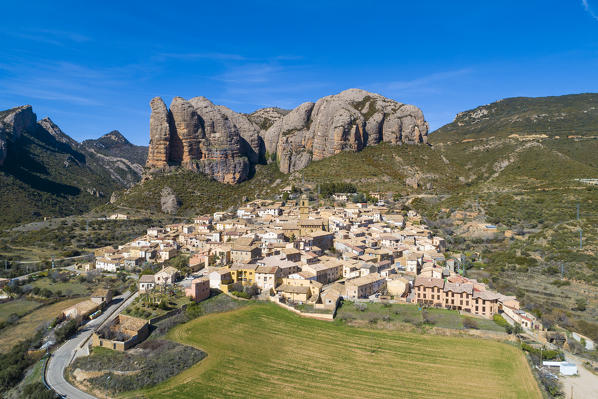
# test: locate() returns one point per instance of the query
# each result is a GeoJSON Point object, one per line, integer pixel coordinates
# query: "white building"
{"type": "Point", "coordinates": [108, 265]}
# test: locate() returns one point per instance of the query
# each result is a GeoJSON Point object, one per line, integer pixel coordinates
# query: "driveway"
{"type": "Point", "coordinates": [67, 352]}
{"type": "Point", "coordinates": [583, 386]}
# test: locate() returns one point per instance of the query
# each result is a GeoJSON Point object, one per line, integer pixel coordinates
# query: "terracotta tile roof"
{"type": "Point", "coordinates": [429, 282]}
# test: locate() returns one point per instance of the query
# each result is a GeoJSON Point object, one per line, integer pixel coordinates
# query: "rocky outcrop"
{"type": "Point", "coordinates": [266, 117]}
{"type": "Point", "coordinates": [13, 123]}
{"type": "Point", "coordinates": [159, 149]}
{"type": "Point", "coordinates": [199, 135]}
{"type": "Point", "coordinates": [168, 201]}
{"type": "Point", "coordinates": [348, 121]}
{"type": "Point", "coordinates": [50, 127]}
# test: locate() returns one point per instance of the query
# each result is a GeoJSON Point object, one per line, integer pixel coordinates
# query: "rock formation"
{"type": "Point", "coordinates": [199, 135]}
{"type": "Point", "coordinates": [348, 121]}
{"type": "Point", "coordinates": [168, 201]}
{"type": "Point", "coordinates": [13, 123]}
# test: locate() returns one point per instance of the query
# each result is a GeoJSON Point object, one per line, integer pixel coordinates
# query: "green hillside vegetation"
{"type": "Point", "coordinates": [198, 193]}
{"type": "Point", "coordinates": [44, 177]}
{"type": "Point", "coordinates": [263, 351]}
{"type": "Point", "coordinates": [575, 114]}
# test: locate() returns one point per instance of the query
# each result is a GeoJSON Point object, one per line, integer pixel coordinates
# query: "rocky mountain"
{"type": "Point", "coordinates": [223, 144]}
{"type": "Point", "coordinates": [44, 172]}
{"type": "Point", "coordinates": [562, 116]}
{"type": "Point", "coordinates": [13, 123]}
{"type": "Point", "coordinates": [266, 117]}
{"type": "Point", "coordinates": [116, 145]}
{"type": "Point", "coordinates": [124, 160]}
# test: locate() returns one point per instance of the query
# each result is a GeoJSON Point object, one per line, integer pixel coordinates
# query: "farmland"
{"type": "Point", "coordinates": [19, 307]}
{"type": "Point", "coordinates": [264, 351]}
{"type": "Point", "coordinates": [27, 325]}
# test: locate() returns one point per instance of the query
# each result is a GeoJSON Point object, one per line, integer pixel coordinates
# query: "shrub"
{"type": "Point", "coordinates": [193, 311]}
{"type": "Point", "coordinates": [580, 304]}
{"type": "Point", "coordinates": [37, 390]}
{"type": "Point", "coordinates": [498, 319]}
{"type": "Point", "coordinates": [65, 331]}
{"type": "Point", "coordinates": [468, 322]}
{"type": "Point", "coordinates": [241, 294]}
{"type": "Point", "coordinates": [362, 307]}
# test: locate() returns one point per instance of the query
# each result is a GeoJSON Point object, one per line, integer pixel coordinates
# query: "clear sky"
{"type": "Point", "coordinates": [94, 68]}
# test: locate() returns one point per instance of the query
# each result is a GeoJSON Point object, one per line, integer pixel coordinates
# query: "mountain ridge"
{"type": "Point", "coordinates": [199, 135]}
{"type": "Point", "coordinates": [551, 116]}
{"type": "Point", "coordinates": [44, 172]}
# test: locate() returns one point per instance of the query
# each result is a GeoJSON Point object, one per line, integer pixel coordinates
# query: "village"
{"type": "Point", "coordinates": [304, 257]}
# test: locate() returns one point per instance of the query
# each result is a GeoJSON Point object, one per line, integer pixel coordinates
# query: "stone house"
{"type": "Point", "coordinates": [122, 333]}
{"type": "Point", "coordinates": [267, 277]}
{"type": "Point", "coordinates": [199, 289]}
{"type": "Point", "coordinates": [363, 287]}
{"type": "Point", "coordinates": [168, 275]}
{"type": "Point", "coordinates": [219, 278]}
{"type": "Point", "coordinates": [102, 296]}
{"type": "Point", "coordinates": [146, 283]}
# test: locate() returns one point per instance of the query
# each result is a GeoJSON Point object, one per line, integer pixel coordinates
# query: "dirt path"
{"type": "Point", "coordinates": [583, 386]}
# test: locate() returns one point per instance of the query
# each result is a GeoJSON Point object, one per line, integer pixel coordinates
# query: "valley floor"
{"type": "Point", "coordinates": [265, 351]}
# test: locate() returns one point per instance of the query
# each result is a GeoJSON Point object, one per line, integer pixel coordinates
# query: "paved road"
{"type": "Point", "coordinates": [66, 353]}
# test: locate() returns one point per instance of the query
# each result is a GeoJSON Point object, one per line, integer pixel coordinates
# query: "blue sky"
{"type": "Point", "coordinates": [94, 68]}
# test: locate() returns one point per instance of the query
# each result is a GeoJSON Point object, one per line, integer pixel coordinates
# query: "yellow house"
{"type": "Point", "coordinates": [244, 274]}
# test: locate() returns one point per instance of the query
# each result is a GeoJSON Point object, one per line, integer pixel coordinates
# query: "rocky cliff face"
{"type": "Point", "coordinates": [348, 121]}
{"type": "Point", "coordinates": [13, 123]}
{"type": "Point", "coordinates": [199, 135]}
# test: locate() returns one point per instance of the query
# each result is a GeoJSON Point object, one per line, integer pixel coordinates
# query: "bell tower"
{"type": "Point", "coordinates": [303, 207]}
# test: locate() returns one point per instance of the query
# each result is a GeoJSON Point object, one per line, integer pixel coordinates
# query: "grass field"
{"type": "Point", "coordinates": [264, 351]}
{"type": "Point", "coordinates": [27, 326]}
{"type": "Point", "coordinates": [407, 313]}
{"type": "Point", "coordinates": [19, 307]}
{"type": "Point", "coordinates": [72, 287]}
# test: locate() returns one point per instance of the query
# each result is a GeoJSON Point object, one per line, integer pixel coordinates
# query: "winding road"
{"type": "Point", "coordinates": [68, 351]}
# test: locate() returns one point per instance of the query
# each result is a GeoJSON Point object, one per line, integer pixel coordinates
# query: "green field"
{"type": "Point", "coordinates": [69, 288]}
{"type": "Point", "coordinates": [20, 307]}
{"type": "Point", "coordinates": [264, 351]}
{"type": "Point", "coordinates": [377, 313]}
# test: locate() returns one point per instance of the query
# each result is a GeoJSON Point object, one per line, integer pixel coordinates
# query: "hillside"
{"type": "Point", "coordinates": [563, 116]}
{"type": "Point", "coordinates": [524, 186]}
{"type": "Point", "coordinates": [45, 173]}
{"type": "Point", "coordinates": [195, 192]}
{"type": "Point", "coordinates": [114, 144]}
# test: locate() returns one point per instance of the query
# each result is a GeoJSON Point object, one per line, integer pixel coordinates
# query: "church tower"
{"type": "Point", "coordinates": [304, 207]}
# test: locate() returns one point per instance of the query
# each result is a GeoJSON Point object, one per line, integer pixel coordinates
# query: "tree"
{"type": "Point", "coordinates": [580, 304]}
{"type": "Point", "coordinates": [65, 331]}
{"type": "Point", "coordinates": [37, 390]}
{"type": "Point", "coordinates": [517, 329]}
